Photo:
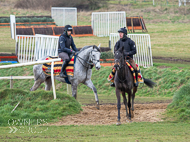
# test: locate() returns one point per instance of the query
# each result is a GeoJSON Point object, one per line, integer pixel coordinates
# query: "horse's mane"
{"type": "Point", "coordinates": [85, 47]}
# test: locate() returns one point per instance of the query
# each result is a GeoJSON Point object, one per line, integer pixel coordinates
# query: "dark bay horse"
{"type": "Point", "coordinates": [124, 83]}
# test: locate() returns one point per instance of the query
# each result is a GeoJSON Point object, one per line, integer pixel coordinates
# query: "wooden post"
{"type": "Point", "coordinates": [11, 83]}
{"type": "Point", "coordinates": [69, 89]}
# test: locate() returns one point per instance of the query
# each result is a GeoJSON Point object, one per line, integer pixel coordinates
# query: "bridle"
{"type": "Point", "coordinates": [120, 67]}
{"type": "Point", "coordinates": [91, 59]}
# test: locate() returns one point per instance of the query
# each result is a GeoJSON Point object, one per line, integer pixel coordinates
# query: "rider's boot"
{"type": "Point", "coordinates": [135, 80]}
{"type": "Point", "coordinates": [139, 76]}
{"type": "Point", "coordinates": [64, 65]}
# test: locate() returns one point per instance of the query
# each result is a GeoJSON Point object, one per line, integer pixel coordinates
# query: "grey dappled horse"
{"type": "Point", "coordinates": [86, 57]}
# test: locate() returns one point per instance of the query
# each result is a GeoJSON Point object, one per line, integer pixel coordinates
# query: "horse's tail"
{"type": "Point", "coordinates": [149, 83]}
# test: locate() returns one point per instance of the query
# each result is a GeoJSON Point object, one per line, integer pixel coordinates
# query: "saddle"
{"type": "Point", "coordinates": [57, 67]}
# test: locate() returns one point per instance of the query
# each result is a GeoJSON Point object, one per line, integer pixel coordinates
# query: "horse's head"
{"type": "Point", "coordinates": [95, 56]}
{"type": "Point", "coordinates": [119, 58]}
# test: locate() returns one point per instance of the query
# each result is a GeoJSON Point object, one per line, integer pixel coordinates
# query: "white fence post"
{"type": "Point", "coordinates": [52, 80]}
{"type": "Point", "coordinates": [143, 56]}
{"type": "Point", "coordinates": [13, 26]}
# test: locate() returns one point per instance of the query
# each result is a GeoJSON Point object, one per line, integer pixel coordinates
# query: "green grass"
{"type": "Point", "coordinates": [170, 40]}
{"type": "Point", "coordinates": [168, 81]}
{"type": "Point", "coordinates": [179, 109]}
{"type": "Point", "coordinates": [135, 132]}
{"type": "Point", "coordinates": [38, 105]}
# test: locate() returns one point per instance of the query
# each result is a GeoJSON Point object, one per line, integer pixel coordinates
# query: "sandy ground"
{"type": "Point", "coordinates": [108, 115]}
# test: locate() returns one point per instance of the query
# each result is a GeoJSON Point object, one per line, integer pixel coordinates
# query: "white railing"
{"type": "Point", "coordinates": [104, 23]}
{"type": "Point", "coordinates": [15, 77]}
{"type": "Point", "coordinates": [35, 63]}
{"type": "Point", "coordinates": [184, 1]}
{"type": "Point", "coordinates": [31, 48]}
{"type": "Point", "coordinates": [64, 15]}
{"type": "Point", "coordinates": [143, 56]}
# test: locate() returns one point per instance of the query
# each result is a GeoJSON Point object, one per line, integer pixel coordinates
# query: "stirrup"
{"type": "Point", "coordinates": [136, 84]}
{"type": "Point", "coordinates": [112, 84]}
{"type": "Point", "coordinates": [62, 75]}
{"type": "Point", "coordinates": [141, 80]}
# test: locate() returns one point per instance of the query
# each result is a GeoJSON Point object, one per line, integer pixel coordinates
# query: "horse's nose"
{"type": "Point", "coordinates": [116, 62]}
{"type": "Point", "coordinates": [98, 66]}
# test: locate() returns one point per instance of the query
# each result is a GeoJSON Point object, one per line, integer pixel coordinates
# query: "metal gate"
{"type": "Point", "coordinates": [31, 48]}
{"type": "Point", "coordinates": [64, 15]}
{"type": "Point", "coordinates": [104, 23]}
{"type": "Point", "coordinates": [143, 56]}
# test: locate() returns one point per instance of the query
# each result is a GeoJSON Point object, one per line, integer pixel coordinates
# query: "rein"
{"type": "Point", "coordinates": [91, 64]}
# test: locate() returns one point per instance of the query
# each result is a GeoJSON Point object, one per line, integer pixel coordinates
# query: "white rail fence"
{"type": "Point", "coordinates": [143, 56]}
{"type": "Point", "coordinates": [31, 48]}
{"type": "Point", "coordinates": [35, 63]}
{"type": "Point", "coordinates": [104, 23]}
{"type": "Point", "coordinates": [64, 15]}
{"type": "Point", "coordinates": [15, 77]}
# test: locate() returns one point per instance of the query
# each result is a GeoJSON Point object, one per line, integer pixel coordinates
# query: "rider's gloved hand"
{"type": "Point", "coordinates": [73, 52]}
{"type": "Point", "coordinates": [126, 53]}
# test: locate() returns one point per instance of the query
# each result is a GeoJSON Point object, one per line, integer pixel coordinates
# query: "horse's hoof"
{"type": "Point", "coordinates": [98, 107]}
{"type": "Point", "coordinates": [132, 113]}
{"type": "Point", "coordinates": [129, 118]}
{"type": "Point", "coordinates": [118, 123]}
{"type": "Point", "coordinates": [127, 121]}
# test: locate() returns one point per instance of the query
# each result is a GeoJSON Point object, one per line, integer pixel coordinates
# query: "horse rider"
{"type": "Point", "coordinates": [129, 51]}
{"type": "Point", "coordinates": [64, 50]}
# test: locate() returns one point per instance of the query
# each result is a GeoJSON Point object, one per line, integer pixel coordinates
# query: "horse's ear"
{"type": "Point", "coordinates": [99, 45]}
{"type": "Point", "coordinates": [121, 49]}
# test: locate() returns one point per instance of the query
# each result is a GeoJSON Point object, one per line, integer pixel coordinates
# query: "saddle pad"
{"type": "Point", "coordinates": [112, 74]}
{"type": "Point", "coordinates": [57, 66]}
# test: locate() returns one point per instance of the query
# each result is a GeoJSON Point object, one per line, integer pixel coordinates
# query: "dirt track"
{"type": "Point", "coordinates": [108, 115]}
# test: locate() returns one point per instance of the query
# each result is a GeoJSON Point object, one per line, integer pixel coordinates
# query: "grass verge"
{"type": "Point", "coordinates": [179, 109]}
{"type": "Point", "coordinates": [139, 132]}
{"type": "Point", "coordinates": [34, 106]}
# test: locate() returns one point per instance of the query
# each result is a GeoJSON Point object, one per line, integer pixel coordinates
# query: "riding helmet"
{"type": "Point", "coordinates": [123, 30]}
{"type": "Point", "coordinates": [68, 28]}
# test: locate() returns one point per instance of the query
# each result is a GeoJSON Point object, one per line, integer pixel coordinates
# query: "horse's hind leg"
{"type": "Point", "coordinates": [129, 103]}
{"type": "Point", "coordinates": [125, 103]}
{"type": "Point", "coordinates": [91, 85]}
{"type": "Point", "coordinates": [133, 98]}
{"type": "Point", "coordinates": [37, 83]}
{"type": "Point", "coordinates": [48, 84]}
{"type": "Point", "coordinates": [38, 76]}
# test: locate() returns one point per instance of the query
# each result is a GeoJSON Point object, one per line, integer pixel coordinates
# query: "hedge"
{"type": "Point", "coordinates": [22, 20]}
{"type": "Point", "coordinates": [107, 55]}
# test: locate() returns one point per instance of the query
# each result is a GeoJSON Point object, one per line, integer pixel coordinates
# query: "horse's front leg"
{"type": "Point", "coordinates": [74, 89]}
{"type": "Point", "coordinates": [91, 86]}
{"type": "Point", "coordinates": [125, 102]}
{"type": "Point", "coordinates": [118, 106]}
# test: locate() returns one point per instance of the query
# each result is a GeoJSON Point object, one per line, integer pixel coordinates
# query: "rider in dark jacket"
{"type": "Point", "coordinates": [64, 50]}
{"type": "Point", "coordinates": [129, 51]}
